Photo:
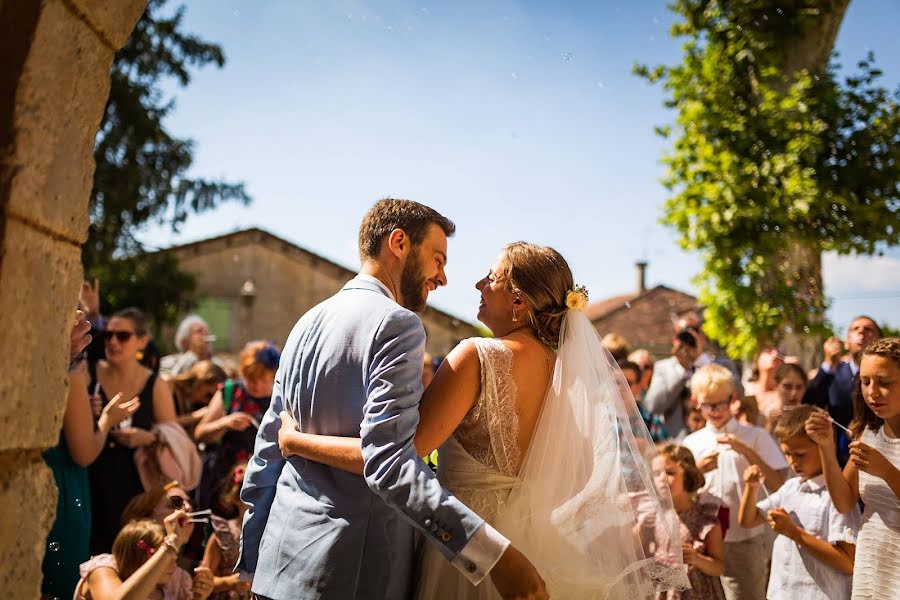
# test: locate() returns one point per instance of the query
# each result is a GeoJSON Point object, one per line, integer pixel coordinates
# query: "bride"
{"type": "Point", "coordinates": [538, 434]}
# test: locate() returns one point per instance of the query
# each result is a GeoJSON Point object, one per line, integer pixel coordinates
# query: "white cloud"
{"type": "Point", "coordinates": [844, 275]}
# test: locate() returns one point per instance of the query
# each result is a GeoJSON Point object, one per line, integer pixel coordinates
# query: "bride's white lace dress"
{"type": "Point", "coordinates": [573, 502]}
{"type": "Point", "coordinates": [478, 464]}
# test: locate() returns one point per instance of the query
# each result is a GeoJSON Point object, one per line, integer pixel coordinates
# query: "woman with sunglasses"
{"type": "Point", "coordinates": [114, 476]}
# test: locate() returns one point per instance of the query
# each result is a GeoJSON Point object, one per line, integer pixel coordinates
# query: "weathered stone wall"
{"type": "Point", "coordinates": [55, 57]}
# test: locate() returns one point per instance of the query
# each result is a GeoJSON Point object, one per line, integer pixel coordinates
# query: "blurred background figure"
{"type": "Point", "coordinates": [193, 342]}
{"type": "Point", "coordinates": [762, 383]}
{"type": "Point", "coordinates": [645, 361]}
{"type": "Point", "coordinates": [617, 345]}
{"type": "Point", "coordinates": [193, 389]}
{"type": "Point", "coordinates": [232, 419]}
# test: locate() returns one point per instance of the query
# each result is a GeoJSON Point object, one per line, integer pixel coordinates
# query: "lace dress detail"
{"type": "Point", "coordinates": [478, 464]}
{"type": "Point", "coordinates": [489, 433]}
{"type": "Point", "coordinates": [491, 429]}
{"type": "Point", "coordinates": [876, 570]}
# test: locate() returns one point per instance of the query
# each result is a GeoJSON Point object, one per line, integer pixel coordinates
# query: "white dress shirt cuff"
{"type": "Point", "coordinates": [481, 553]}
{"type": "Point", "coordinates": [826, 367]}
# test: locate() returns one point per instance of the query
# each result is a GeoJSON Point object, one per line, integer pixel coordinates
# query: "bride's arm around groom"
{"type": "Point", "coordinates": [389, 455]}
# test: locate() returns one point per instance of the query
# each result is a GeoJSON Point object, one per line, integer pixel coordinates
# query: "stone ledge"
{"type": "Point", "coordinates": [43, 275]}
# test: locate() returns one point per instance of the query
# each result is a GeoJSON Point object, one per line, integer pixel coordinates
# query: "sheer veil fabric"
{"type": "Point", "coordinates": [585, 505]}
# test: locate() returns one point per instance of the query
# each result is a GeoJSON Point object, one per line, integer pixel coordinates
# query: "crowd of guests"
{"type": "Point", "coordinates": [785, 483]}
{"type": "Point", "coordinates": [150, 461]}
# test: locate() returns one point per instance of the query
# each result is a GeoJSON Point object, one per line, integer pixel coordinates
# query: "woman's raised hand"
{"type": "Point", "coordinates": [118, 409]}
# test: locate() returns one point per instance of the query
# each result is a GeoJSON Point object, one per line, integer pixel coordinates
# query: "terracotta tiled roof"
{"type": "Point", "coordinates": [644, 319]}
{"type": "Point", "coordinates": [596, 310]}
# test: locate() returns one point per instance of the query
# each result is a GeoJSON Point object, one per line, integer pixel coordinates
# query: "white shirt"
{"type": "Point", "coordinates": [486, 545]}
{"type": "Point", "coordinates": [727, 481]}
{"type": "Point", "coordinates": [796, 574]}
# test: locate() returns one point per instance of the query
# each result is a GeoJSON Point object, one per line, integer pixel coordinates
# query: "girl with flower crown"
{"type": "Point", "coordinates": [229, 426]}
{"type": "Point", "coordinates": [527, 425]}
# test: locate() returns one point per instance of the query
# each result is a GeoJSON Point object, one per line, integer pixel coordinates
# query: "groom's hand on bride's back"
{"type": "Point", "coordinates": [516, 578]}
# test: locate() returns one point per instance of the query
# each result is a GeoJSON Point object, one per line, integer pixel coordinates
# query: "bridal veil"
{"type": "Point", "coordinates": [585, 505]}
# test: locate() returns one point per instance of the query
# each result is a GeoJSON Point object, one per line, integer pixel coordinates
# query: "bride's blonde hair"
{"type": "Point", "coordinates": [542, 277]}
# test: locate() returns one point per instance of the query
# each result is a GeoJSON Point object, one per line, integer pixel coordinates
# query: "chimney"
{"type": "Point", "coordinates": [641, 276]}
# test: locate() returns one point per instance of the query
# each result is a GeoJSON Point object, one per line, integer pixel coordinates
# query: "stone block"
{"type": "Point", "coordinates": [28, 496]}
{"type": "Point", "coordinates": [115, 20]}
{"type": "Point", "coordinates": [39, 286]}
{"type": "Point", "coordinates": [59, 104]}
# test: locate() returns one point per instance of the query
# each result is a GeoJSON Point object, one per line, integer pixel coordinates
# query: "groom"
{"type": "Point", "coordinates": [353, 366]}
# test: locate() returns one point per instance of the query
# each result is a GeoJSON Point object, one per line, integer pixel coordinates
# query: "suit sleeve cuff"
{"type": "Point", "coordinates": [826, 367]}
{"type": "Point", "coordinates": [481, 553]}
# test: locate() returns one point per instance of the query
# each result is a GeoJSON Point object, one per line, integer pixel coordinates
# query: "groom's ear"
{"type": "Point", "coordinates": [399, 243]}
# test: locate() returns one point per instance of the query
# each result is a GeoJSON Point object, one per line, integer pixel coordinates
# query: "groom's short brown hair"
{"type": "Point", "coordinates": [389, 214]}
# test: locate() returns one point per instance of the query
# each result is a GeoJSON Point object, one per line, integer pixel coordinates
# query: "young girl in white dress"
{"type": "Point", "coordinates": [873, 472]}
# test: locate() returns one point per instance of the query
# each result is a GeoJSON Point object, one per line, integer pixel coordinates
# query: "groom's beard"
{"type": "Point", "coordinates": [412, 284]}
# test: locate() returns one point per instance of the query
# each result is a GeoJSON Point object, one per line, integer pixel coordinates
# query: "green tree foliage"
{"type": "Point", "coordinates": [775, 159]}
{"type": "Point", "coordinates": [141, 174]}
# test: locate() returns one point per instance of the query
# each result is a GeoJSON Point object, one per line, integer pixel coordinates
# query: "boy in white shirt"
{"type": "Point", "coordinates": [813, 555]}
{"type": "Point", "coordinates": [723, 450]}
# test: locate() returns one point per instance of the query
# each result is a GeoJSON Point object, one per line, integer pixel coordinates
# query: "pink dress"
{"type": "Point", "coordinates": [177, 588]}
{"type": "Point", "coordinates": [228, 537]}
{"type": "Point", "coordinates": [695, 525]}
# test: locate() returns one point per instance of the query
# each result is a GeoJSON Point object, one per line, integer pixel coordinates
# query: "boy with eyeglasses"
{"type": "Point", "coordinates": [724, 449]}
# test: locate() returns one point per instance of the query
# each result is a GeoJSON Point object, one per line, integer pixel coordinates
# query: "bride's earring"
{"type": "Point", "coordinates": [515, 316]}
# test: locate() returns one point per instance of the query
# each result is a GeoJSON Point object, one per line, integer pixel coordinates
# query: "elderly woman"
{"type": "Point", "coordinates": [232, 419]}
{"type": "Point", "coordinates": [193, 342]}
{"type": "Point", "coordinates": [114, 477]}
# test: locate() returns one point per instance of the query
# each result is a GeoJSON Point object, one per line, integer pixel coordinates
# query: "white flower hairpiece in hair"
{"type": "Point", "coordinates": [577, 298]}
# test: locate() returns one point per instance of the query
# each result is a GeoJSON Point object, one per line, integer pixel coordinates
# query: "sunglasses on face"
{"type": "Point", "coordinates": [121, 336]}
{"type": "Point", "coordinates": [177, 502]}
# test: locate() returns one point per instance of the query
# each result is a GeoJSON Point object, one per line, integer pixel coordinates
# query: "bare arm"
{"type": "Point", "coordinates": [105, 584]}
{"type": "Point", "coordinates": [774, 478]}
{"type": "Point", "coordinates": [163, 404]}
{"type": "Point", "coordinates": [837, 556]}
{"type": "Point", "coordinates": [713, 562]}
{"type": "Point", "coordinates": [749, 515]}
{"type": "Point", "coordinates": [84, 441]}
{"type": "Point", "coordinates": [445, 403]}
{"type": "Point", "coordinates": [843, 487]}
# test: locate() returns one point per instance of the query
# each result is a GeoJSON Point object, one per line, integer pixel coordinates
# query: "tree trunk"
{"type": "Point", "coordinates": [800, 263]}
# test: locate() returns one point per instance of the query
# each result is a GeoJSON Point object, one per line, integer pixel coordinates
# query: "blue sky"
{"type": "Point", "coordinates": [518, 120]}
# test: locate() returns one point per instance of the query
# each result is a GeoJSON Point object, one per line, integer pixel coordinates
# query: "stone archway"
{"type": "Point", "coordinates": [55, 57]}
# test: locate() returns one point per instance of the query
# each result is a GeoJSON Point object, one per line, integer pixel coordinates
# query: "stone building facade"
{"type": "Point", "coordinates": [254, 285]}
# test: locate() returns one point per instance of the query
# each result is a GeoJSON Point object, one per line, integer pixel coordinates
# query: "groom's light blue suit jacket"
{"type": "Point", "coordinates": [351, 366]}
